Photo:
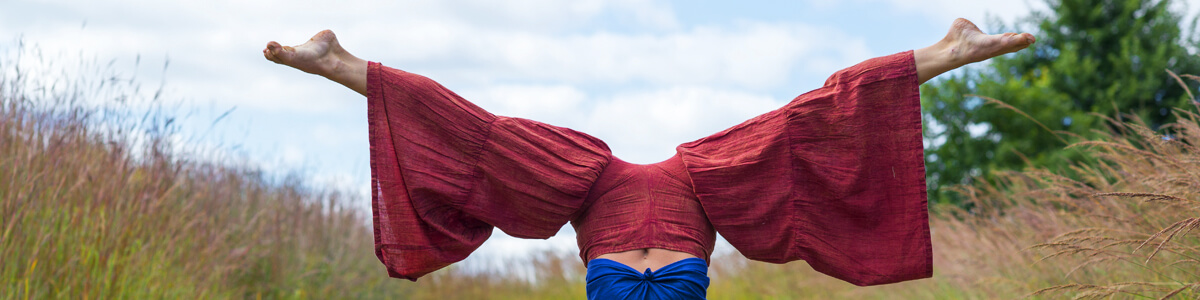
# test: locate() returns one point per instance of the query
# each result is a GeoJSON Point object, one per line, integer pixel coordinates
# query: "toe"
{"type": "Point", "coordinates": [1014, 42]}
{"type": "Point", "coordinates": [269, 56]}
{"type": "Point", "coordinates": [272, 53]}
{"type": "Point", "coordinates": [273, 46]}
{"type": "Point", "coordinates": [1020, 41]}
{"type": "Point", "coordinates": [280, 52]}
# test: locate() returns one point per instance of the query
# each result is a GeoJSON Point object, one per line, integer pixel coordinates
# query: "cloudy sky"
{"type": "Point", "coordinates": [642, 75]}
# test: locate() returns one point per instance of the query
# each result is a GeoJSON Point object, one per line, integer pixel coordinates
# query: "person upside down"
{"type": "Point", "coordinates": [836, 177]}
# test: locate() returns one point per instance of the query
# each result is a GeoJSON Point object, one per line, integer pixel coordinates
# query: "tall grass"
{"type": "Point", "coordinates": [1132, 218]}
{"type": "Point", "coordinates": [96, 201]}
{"type": "Point", "coordinates": [99, 202]}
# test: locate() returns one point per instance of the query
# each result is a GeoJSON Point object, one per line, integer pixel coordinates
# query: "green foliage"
{"type": "Point", "coordinates": [1093, 58]}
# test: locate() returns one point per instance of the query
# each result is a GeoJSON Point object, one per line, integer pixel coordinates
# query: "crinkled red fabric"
{"type": "Point", "coordinates": [836, 178]}
{"type": "Point", "coordinates": [634, 206]}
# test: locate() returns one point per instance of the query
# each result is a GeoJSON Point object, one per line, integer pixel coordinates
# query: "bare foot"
{"type": "Point", "coordinates": [322, 55]}
{"type": "Point", "coordinates": [966, 44]}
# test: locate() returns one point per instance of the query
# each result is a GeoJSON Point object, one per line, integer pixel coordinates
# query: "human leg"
{"type": "Point", "coordinates": [965, 44]}
{"type": "Point", "coordinates": [322, 55]}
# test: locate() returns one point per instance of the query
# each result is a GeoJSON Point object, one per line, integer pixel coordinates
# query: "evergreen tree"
{"type": "Point", "coordinates": [1093, 58]}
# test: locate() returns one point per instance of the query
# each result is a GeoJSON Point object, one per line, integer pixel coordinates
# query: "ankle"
{"type": "Point", "coordinates": [350, 71]}
{"type": "Point", "coordinates": [936, 59]}
{"type": "Point", "coordinates": [345, 65]}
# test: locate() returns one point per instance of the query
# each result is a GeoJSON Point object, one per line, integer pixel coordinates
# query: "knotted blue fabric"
{"type": "Point", "coordinates": [682, 280]}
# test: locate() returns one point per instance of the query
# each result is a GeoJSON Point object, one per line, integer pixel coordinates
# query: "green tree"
{"type": "Point", "coordinates": [1093, 58]}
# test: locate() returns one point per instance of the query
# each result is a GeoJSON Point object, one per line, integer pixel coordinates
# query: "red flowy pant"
{"type": "Point", "coordinates": [836, 177]}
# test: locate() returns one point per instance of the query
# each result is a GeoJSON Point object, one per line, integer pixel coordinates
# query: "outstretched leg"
{"type": "Point", "coordinates": [965, 44]}
{"type": "Point", "coordinates": [322, 55]}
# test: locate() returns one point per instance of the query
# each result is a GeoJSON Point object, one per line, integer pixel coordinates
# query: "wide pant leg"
{"type": "Point", "coordinates": [835, 178]}
{"type": "Point", "coordinates": [444, 172]}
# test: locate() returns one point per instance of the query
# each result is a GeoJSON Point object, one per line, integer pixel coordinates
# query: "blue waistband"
{"type": "Point", "coordinates": [684, 279]}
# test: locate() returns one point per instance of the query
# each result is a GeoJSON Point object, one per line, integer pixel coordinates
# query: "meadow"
{"type": "Point", "coordinates": [98, 200]}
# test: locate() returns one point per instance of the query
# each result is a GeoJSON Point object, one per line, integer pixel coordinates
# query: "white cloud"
{"type": "Point", "coordinates": [215, 47]}
{"type": "Point", "coordinates": [755, 55]}
{"type": "Point", "coordinates": [552, 15]}
{"type": "Point", "coordinates": [557, 104]}
{"type": "Point", "coordinates": [645, 127]}
{"type": "Point", "coordinates": [977, 11]}
{"type": "Point", "coordinates": [639, 126]}
{"type": "Point", "coordinates": [945, 11]}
